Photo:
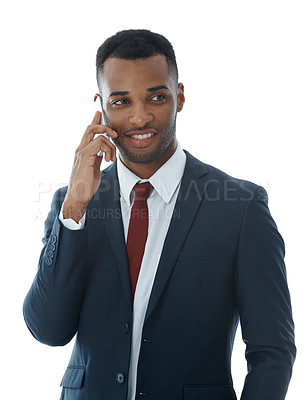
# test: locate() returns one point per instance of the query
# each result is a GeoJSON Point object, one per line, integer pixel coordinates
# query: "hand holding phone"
{"type": "Point", "coordinates": [100, 154]}
{"type": "Point", "coordinates": [86, 175]}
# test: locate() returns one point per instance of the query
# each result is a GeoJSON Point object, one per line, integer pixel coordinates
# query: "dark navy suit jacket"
{"type": "Point", "coordinates": [222, 262]}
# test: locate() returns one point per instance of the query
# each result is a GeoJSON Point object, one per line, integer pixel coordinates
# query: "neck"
{"type": "Point", "coordinates": [146, 170]}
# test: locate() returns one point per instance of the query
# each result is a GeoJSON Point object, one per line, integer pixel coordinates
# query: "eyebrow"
{"type": "Point", "coordinates": [118, 94]}
{"type": "Point", "coordinates": [150, 90]}
{"type": "Point", "coordinates": [154, 89]}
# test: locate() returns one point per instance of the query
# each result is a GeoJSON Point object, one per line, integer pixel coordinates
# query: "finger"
{"type": "Point", "coordinates": [100, 129]}
{"type": "Point", "coordinates": [93, 130]}
{"type": "Point", "coordinates": [97, 118]}
{"type": "Point", "coordinates": [87, 137]}
{"type": "Point", "coordinates": [108, 149]}
{"type": "Point", "coordinates": [101, 143]}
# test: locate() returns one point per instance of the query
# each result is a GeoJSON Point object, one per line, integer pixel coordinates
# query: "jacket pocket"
{"type": "Point", "coordinates": [209, 392]}
{"type": "Point", "coordinates": [73, 377]}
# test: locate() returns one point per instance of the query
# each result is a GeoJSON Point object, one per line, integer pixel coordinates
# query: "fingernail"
{"type": "Point", "coordinates": [115, 133]}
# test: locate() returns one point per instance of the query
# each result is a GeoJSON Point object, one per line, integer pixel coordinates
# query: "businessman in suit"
{"type": "Point", "coordinates": [152, 262]}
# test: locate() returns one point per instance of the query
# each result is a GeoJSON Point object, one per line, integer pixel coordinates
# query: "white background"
{"type": "Point", "coordinates": [241, 64]}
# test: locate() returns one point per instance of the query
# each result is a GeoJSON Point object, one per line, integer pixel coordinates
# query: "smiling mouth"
{"type": "Point", "coordinates": [145, 136]}
{"type": "Point", "coordinates": [141, 139]}
{"type": "Point", "coordinates": [142, 133]}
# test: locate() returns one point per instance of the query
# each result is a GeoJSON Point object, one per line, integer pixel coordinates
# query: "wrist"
{"type": "Point", "coordinates": [73, 209]}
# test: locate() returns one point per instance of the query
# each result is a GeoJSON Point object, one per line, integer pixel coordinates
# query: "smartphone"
{"type": "Point", "coordinates": [100, 154]}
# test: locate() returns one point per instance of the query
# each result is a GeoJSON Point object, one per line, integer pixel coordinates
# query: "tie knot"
{"type": "Point", "coordinates": [142, 191]}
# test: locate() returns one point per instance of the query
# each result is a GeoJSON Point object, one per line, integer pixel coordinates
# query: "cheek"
{"type": "Point", "coordinates": [170, 117]}
{"type": "Point", "coordinates": [111, 119]}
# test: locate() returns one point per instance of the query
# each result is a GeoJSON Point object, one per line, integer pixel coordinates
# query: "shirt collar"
{"type": "Point", "coordinates": [165, 180]}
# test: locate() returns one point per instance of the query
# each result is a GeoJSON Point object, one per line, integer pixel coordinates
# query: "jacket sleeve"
{"type": "Point", "coordinates": [52, 306]}
{"type": "Point", "coordinates": [263, 303]}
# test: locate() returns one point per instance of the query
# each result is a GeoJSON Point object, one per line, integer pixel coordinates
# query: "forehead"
{"type": "Point", "coordinates": [128, 75]}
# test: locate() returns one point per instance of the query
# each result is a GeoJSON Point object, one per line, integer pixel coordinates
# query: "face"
{"type": "Point", "coordinates": [140, 102]}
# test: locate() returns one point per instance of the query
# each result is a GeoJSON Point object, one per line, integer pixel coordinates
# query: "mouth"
{"type": "Point", "coordinates": [145, 136]}
{"type": "Point", "coordinates": [142, 139]}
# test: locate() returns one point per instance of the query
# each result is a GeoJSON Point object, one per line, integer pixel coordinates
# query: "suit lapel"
{"type": "Point", "coordinates": [187, 205]}
{"type": "Point", "coordinates": [190, 196]}
{"type": "Point", "coordinates": [109, 195]}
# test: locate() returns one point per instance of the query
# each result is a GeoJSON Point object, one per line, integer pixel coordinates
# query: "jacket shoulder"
{"type": "Point", "coordinates": [221, 182]}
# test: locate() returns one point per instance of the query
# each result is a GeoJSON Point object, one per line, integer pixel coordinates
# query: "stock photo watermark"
{"type": "Point", "coordinates": [211, 190]}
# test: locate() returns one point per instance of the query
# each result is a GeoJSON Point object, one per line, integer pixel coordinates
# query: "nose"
{"type": "Point", "coordinates": [140, 115]}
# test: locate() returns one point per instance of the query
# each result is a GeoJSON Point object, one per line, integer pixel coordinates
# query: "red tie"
{"type": "Point", "coordinates": [137, 232]}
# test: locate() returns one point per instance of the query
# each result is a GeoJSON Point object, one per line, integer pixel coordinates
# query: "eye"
{"type": "Point", "coordinates": [158, 97]}
{"type": "Point", "coordinates": [120, 102]}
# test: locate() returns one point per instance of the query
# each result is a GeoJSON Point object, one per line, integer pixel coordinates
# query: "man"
{"type": "Point", "coordinates": [154, 277]}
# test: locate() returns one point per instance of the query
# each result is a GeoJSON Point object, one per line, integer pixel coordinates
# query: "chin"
{"type": "Point", "coordinates": [142, 157]}
{"type": "Point", "coordinates": [137, 158]}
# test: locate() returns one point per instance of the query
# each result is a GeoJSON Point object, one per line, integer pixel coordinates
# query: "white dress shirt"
{"type": "Point", "coordinates": [161, 202]}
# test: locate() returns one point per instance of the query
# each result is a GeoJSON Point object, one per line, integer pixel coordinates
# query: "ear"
{"type": "Point", "coordinates": [180, 96]}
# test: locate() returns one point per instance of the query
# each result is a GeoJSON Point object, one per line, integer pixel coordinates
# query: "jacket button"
{"type": "Point", "coordinates": [49, 261]}
{"type": "Point", "coordinates": [52, 247]}
{"type": "Point", "coordinates": [120, 378]}
{"type": "Point", "coordinates": [125, 328]}
{"type": "Point", "coordinates": [54, 239]}
{"type": "Point", "coordinates": [50, 254]}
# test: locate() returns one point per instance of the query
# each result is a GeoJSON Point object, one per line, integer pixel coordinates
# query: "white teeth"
{"type": "Point", "coordinates": [145, 136]}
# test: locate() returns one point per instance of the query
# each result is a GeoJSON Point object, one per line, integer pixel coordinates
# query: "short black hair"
{"type": "Point", "coordinates": [133, 44]}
